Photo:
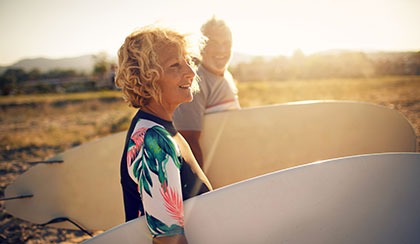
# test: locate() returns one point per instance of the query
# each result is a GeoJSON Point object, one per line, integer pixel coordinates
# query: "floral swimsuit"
{"type": "Point", "coordinates": [155, 177]}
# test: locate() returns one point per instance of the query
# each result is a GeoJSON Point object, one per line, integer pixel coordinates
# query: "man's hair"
{"type": "Point", "coordinates": [138, 66]}
{"type": "Point", "coordinates": [213, 25]}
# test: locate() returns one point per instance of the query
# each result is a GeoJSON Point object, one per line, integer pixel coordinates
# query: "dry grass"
{"type": "Point", "coordinates": [60, 123]}
{"type": "Point", "coordinates": [51, 98]}
{"type": "Point", "coordinates": [376, 90]}
{"type": "Point", "coordinates": [36, 127]}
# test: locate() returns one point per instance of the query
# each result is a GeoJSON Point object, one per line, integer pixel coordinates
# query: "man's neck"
{"type": "Point", "coordinates": [215, 72]}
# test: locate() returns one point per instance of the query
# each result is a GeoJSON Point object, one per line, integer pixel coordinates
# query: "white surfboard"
{"type": "Point", "coordinates": [85, 187]}
{"type": "Point", "coordinates": [276, 137]}
{"type": "Point", "coordinates": [237, 145]}
{"type": "Point", "coordinates": [360, 199]}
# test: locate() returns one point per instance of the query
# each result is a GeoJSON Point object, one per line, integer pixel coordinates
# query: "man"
{"type": "Point", "coordinates": [218, 91]}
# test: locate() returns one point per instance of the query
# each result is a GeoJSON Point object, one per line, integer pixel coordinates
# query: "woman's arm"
{"type": "Point", "coordinates": [193, 139]}
{"type": "Point", "coordinates": [176, 239]}
{"type": "Point", "coordinates": [189, 157]}
{"type": "Point", "coordinates": [156, 170]}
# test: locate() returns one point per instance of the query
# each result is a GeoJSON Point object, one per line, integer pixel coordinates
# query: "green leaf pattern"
{"type": "Point", "coordinates": [150, 155]}
{"type": "Point", "coordinates": [158, 228]}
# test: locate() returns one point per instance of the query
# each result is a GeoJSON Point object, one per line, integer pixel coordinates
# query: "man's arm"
{"type": "Point", "coordinates": [193, 139]}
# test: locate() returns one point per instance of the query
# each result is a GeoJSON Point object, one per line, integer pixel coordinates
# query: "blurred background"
{"type": "Point", "coordinates": [57, 63]}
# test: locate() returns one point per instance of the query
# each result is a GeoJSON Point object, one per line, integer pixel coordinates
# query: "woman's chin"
{"type": "Point", "coordinates": [186, 100]}
{"type": "Point", "coordinates": [189, 100]}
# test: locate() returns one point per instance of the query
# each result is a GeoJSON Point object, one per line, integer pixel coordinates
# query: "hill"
{"type": "Point", "coordinates": [85, 63]}
{"type": "Point", "coordinates": [81, 64]}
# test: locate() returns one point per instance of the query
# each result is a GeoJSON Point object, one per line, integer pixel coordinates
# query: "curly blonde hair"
{"type": "Point", "coordinates": [138, 67]}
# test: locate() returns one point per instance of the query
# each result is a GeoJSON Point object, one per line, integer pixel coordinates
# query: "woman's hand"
{"type": "Point", "coordinates": [175, 239]}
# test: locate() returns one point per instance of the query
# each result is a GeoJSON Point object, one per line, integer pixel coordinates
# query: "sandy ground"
{"type": "Point", "coordinates": [15, 161]}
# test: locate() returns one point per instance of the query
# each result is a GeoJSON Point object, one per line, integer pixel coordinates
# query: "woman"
{"type": "Point", "coordinates": [158, 170]}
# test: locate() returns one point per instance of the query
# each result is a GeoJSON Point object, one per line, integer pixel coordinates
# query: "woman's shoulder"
{"type": "Point", "coordinates": [145, 124]}
{"type": "Point", "coordinates": [154, 136]}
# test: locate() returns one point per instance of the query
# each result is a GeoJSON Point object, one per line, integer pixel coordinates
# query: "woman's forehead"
{"type": "Point", "coordinates": [168, 52]}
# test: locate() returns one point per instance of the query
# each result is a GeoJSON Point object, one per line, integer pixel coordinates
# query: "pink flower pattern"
{"type": "Point", "coordinates": [138, 138]}
{"type": "Point", "coordinates": [173, 204]}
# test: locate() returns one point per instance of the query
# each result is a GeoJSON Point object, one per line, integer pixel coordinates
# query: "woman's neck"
{"type": "Point", "coordinates": [159, 110]}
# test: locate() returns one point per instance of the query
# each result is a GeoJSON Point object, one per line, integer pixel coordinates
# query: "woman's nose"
{"type": "Point", "coordinates": [189, 72]}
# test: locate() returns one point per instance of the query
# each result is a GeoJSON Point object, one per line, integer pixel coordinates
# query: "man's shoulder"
{"type": "Point", "coordinates": [203, 73]}
{"type": "Point", "coordinates": [210, 81]}
{"type": "Point", "coordinates": [228, 76]}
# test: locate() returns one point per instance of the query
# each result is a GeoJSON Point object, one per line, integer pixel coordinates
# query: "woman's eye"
{"type": "Point", "coordinates": [175, 65]}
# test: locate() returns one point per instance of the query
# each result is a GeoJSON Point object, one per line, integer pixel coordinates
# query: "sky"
{"type": "Point", "coordinates": [70, 28]}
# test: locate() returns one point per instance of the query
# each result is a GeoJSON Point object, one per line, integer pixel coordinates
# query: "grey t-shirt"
{"type": "Point", "coordinates": [217, 93]}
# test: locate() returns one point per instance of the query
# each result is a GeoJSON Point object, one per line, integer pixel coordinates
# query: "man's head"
{"type": "Point", "coordinates": [217, 52]}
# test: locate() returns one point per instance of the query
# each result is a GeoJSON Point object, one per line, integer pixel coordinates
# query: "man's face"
{"type": "Point", "coordinates": [218, 51]}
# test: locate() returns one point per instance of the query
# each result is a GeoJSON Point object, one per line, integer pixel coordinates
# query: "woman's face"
{"type": "Point", "coordinates": [177, 77]}
{"type": "Point", "coordinates": [217, 52]}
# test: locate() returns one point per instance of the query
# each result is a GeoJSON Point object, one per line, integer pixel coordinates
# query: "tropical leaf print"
{"type": "Point", "coordinates": [135, 143]}
{"type": "Point", "coordinates": [145, 180]}
{"type": "Point", "coordinates": [174, 205]}
{"type": "Point", "coordinates": [158, 148]}
{"type": "Point", "coordinates": [136, 158]}
{"type": "Point", "coordinates": [148, 152]}
{"type": "Point", "coordinates": [158, 228]}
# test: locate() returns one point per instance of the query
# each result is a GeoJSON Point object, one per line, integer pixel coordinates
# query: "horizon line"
{"type": "Point", "coordinates": [233, 52]}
